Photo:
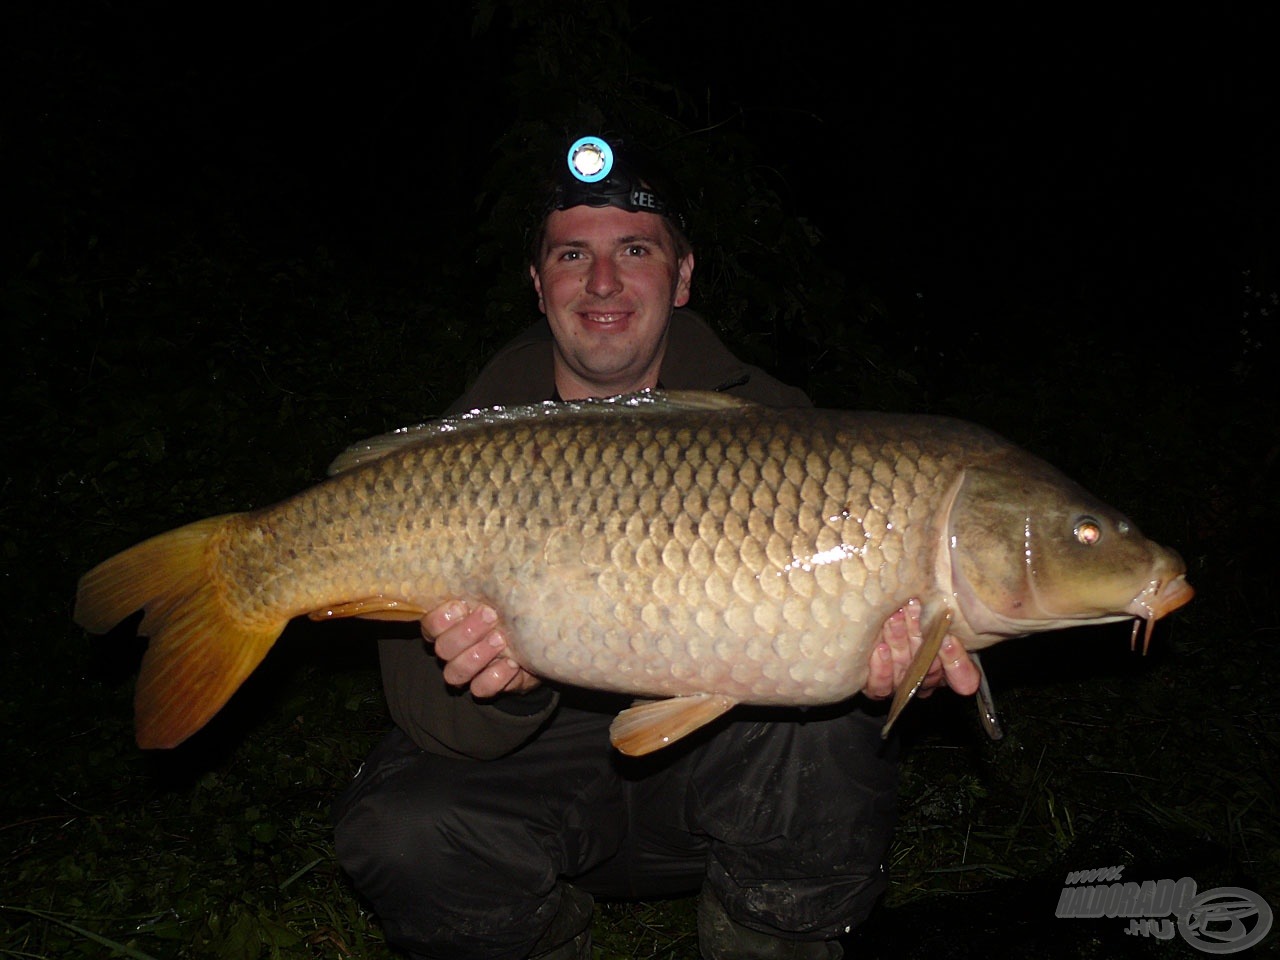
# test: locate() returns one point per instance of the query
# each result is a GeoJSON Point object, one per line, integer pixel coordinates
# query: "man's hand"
{"type": "Point", "coordinates": [471, 642]}
{"type": "Point", "coordinates": [900, 638]}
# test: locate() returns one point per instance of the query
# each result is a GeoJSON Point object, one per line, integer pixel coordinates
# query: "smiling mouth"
{"type": "Point", "coordinates": [605, 318]}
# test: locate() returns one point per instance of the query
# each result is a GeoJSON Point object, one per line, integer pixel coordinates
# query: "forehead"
{"type": "Point", "coordinates": [583, 224]}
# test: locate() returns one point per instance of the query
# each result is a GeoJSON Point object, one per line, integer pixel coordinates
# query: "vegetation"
{"type": "Point", "coordinates": [168, 363]}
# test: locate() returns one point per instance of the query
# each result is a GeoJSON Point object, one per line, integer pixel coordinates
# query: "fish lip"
{"type": "Point", "coordinates": [1161, 596]}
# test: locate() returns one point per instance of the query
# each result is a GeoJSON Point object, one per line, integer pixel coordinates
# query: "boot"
{"type": "Point", "coordinates": [720, 937]}
{"type": "Point", "coordinates": [569, 936]}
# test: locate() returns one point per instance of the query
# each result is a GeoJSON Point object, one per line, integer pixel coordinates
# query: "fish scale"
{"type": "Point", "coordinates": [689, 546]}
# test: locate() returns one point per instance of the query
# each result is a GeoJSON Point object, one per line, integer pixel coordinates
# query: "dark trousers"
{"type": "Point", "coordinates": [785, 815]}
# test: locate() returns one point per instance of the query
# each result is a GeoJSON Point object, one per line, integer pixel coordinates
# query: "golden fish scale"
{"type": "Point", "coordinates": [750, 554]}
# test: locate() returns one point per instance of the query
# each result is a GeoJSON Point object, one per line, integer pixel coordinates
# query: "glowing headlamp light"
{"type": "Point", "coordinates": [590, 159]}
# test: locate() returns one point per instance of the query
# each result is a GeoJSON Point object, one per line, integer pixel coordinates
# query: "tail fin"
{"type": "Point", "coordinates": [200, 651]}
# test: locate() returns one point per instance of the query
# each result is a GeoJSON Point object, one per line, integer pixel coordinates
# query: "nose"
{"type": "Point", "coordinates": [604, 280]}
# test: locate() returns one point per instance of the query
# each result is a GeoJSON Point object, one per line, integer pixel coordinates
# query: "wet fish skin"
{"type": "Point", "coordinates": [686, 546]}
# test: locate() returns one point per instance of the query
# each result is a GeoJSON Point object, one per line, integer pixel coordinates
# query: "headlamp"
{"type": "Point", "coordinates": [600, 174]}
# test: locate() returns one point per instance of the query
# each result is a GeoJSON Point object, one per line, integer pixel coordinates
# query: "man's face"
{"type": "Point", "coordinates": [607, 280]}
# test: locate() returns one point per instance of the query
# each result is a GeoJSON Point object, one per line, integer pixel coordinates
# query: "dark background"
{"type": "Point", "coordinates": [1117, 165]}
{"type": "Point", "coordinates": [238, 237]}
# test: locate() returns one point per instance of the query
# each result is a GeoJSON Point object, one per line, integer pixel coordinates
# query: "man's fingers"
{"type": "Point", "coordinates": [473, 647]}
{"type": "Point", "coordinates": [443, 617]}
{"type": "Point", "coordinates": [464, 667]}
{"type": "Point", "coordinates": [879, 685]}
{"type": "Point", "coordinates": [461, 634]}
{"type": "Point", "coordinates": [502, 675]}
{"type": "Point", "coordinates": [900, 638]}
{"type": "Point", "coordinates": [465, 638]}
{"type": "Point", "coordinates": [962, 674]}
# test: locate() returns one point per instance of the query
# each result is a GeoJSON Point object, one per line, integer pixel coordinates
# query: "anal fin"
{"type": "Point", "coordinates": [371, 608]}
{"type": "Point", "coordinates": [653, 724]}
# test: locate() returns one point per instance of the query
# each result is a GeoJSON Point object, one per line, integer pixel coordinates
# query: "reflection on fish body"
{"type": "Point", "coordinates": [689, 547]}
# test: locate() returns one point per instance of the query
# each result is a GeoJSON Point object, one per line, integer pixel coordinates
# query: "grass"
{"type": "Point", "coordinates": [154, 389]}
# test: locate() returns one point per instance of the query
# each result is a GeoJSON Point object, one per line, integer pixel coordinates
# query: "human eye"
{"type": "Point", "coordinates": [637, 250]}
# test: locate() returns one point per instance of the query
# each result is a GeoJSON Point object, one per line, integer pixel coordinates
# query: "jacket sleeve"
{"type": "Point", "coordinates": [448, 721]}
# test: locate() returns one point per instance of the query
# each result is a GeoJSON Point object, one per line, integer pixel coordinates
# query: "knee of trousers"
{"type": "Point", "coordinates": [821, 790]}
{"type": "Point", "coordinates": [419, 839]}
{"type": "Point", "coordinates": [805, 856]}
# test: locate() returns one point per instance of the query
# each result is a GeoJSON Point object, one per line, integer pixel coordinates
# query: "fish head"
{"type": "Point", "coordinates": [1031, 551]}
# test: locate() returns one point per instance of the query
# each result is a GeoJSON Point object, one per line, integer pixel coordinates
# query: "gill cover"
{"type": "Point", "coordinates": [1030, 549]}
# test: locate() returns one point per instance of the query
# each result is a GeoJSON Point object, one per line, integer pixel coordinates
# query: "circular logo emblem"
{"type": "Point", "coordinates": [1225, 920]}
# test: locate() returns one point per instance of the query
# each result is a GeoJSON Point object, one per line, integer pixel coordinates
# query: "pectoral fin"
{"type": "Point", "coordinates": [653, 724]}
{"type": "Point", "coordinates": [919, 666]}
{"type": "Point", "coordinates": [371, 608]}
{"type": "Point", "coordinates": [986, 705]}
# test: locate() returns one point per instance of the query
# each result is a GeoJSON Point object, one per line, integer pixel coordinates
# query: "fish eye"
{"type": "Point", "coordinates": [1088, 531]}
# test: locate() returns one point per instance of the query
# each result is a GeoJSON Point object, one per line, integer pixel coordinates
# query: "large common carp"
{"type": "Point", "coordinates": [692, 549]}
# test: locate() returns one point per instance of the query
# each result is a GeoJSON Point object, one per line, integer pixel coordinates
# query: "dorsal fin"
{"type": "Point", "coordinates": [645, 402]}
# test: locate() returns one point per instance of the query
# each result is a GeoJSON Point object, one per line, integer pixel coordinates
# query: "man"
{"type": "Point", "coordinates": [496, 809]}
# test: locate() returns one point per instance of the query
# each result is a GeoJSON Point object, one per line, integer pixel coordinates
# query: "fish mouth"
{"type": "Point", "coordinates": [1158, 598]}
